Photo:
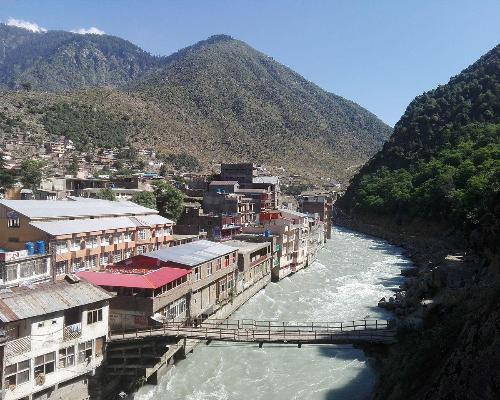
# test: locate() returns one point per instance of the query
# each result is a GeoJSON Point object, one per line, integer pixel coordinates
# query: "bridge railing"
{"type": "Point", "coordinates": [256, 330]}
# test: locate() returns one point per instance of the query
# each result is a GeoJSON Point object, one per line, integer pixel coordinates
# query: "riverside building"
{"type": "Point", "coordinates": [83, 234]}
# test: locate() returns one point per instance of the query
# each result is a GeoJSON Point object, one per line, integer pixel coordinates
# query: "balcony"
{"type": "Point", "coordinates": [17, 346]}
{"type": "Point", "coordinates": [73, 331]}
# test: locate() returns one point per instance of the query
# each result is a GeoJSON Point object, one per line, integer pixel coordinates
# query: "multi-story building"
{"type": "Point", "coordinates": [21, 266]}
{"type": "Point", "coordinates": [83, 234]}
{"type": "Point", "coordinates": [242, 173]}
{"type": "Point", "coordinates": [321, 204]}
{"type": "Point", "coordinates": [218, 227]}
{"type": "Point", "coordinates": [55, 335]}
{"type": "Point", "coordinates": [255, 260]}
{"type": "Point", "coordinates": [190, 280]}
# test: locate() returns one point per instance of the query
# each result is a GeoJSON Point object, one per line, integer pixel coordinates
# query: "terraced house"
{"type": "Point", "coordinates": [83, 233]}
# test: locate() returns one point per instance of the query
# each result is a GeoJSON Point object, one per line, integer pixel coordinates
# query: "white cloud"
{"type": "Point", "coordinates": [30, 26]}
{"type": "Point", "coordinates": [92, 30]}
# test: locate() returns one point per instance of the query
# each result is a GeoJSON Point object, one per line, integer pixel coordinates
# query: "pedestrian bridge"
{"type": "Point", "coordinates": [277, 332]}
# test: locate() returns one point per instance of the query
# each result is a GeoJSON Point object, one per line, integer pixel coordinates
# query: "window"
{"type": "Point", "coordinates": [91, 242]}
{"type": "Point", "coordinates": [76, 265]}
{"type": "Point", "coordinates": [17, 374]}
{"type": "Point", "coordinates": [209, 269]}
{"type": "Point", "coordinates": [104, 259]}
{"type": "Point", "coordinates": [45, 364]}
{"type": "Point", "coordinates": [159, 232]}
{"type": "Point", "coordinates": [94, 316]}
{"type": "Point", "coordinates": [13, 222]}
{"type": "Point", "coordinates": [67, 357]}
{"type": "Point", "coordinates": [117, 256]}
{"type": "Point", "coordinates": [84, 351]}
{"type": "Point", "coordinates": [90, 262]}
{"type": "Point", "coordinates": [11, 272]}
{"type": "Point", "coordinates": [128, 253]}
{"type": "Point", "coordinates": [61, 267]}
{"type": "Point", "coordinates": [61, 247]}
{"type": "Point", "coordinates": [141, 249]}
{"type": "Point", "coordinates": [127, 236]}
{"type": "Point", "coordinates": [105, 240]}
{"type": "Point", "coordinates": [196, 274]}
{"type": "Point", "coordinates": [76, 244]}
{"type": "Point", "coordinates": [143, 234]}
{"type": "Point", "coordinates": [117, 238]}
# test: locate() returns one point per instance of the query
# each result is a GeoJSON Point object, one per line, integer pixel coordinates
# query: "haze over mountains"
{"type": "Point", "coordinates": [219, 100]}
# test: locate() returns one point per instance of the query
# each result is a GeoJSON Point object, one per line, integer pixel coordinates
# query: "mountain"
{"type": "Point", "coordinates": [218, 100]}
{"type": "Point", "coordinates": [58, 60]}
{"type": "Point", "coordinates": [442, 161]}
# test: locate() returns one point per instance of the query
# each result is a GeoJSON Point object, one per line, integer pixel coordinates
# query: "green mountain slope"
{"type": "Point", "coordinates": [57, 60]}
{"type": "Point", "coordinates": [217, 100]}
{"type": "Point", "coordinates": [443, 160]}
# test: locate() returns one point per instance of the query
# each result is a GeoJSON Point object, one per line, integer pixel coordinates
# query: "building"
{"type": "Point", "coordinates": [191, 280]}
{"type": "Point", "coordinates": [321, 204]}
{"type": "Point", "coordinates": [142, 290]}
{"type": "Point", "coordinates": [255, 260]}
{"type": "Point", "coordinates": [83, 234]}
{"type": "Point", "coordinates": [216, 226]}
{"type": "Point", "coordinates": [20, 266]}
{"type": "Point", "coordinates": [241, 173]}
{"type": "Point", "coordinates": [55, 337]}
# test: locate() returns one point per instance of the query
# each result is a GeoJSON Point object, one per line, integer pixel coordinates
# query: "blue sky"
{"type": "Point", "coordinates": [379, 53]}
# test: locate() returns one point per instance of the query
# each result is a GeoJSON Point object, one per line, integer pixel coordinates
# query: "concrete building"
{"type": "Point", "coordinates": [190, 280]}
{"type": "Point", "coordinates": [216, 226]}
{"type": "Point", "coordinates": [17, 267]}
{"type": "Point", "coordinates": [255, 260]}
{"type": "Point", "coordinates": [242, 173]}
{"type": "Point", "coordinates": [83, 234]}
{"type": "Point", "coordinates": [321, 204]}
{"type": "Point", "coordinates": [55, 337]}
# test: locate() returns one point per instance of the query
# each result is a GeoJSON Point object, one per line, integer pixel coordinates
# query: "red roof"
{"type": "Point", "coordinates": [151, 280]}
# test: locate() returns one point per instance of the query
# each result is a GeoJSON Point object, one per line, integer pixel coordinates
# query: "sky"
{"type": "Point", "coordinates": [378, 53]}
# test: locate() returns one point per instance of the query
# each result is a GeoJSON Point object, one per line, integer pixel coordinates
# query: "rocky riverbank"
{"type": "Point", "coordinates": [449, 313]}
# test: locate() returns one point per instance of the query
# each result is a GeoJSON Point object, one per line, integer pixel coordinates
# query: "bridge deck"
{"type": "Point", "coordinates": [354, 332]}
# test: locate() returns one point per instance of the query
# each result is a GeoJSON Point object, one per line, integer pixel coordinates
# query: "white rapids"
{"type": "Point", "coordinates": [352, 273]}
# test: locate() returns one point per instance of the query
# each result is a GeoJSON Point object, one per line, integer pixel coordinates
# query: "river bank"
{"type": "Point", "coordinates": [450, 310]}
{"type": "Point", "coordinates": [353, 271]}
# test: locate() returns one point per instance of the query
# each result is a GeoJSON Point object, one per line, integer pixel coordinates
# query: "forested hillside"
{"type": "Point", "coordinates": [443, 161]}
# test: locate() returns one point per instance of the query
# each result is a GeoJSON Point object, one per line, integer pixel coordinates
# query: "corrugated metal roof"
{"type": "Point", "coordinates": [291, 212]}
{"type": "Point", "coordinates": [151, 280]}
{"type": "Point", "coordinates": [274, 180]}
{"type": "Point", "coordinates": [191, 254]}
{"type": "Point", "coordinates": [66, 227]}
{"type": "Point", "coordinates": [246, 247]}
{"type": "Point", "coordinates": [65, 208]}
{"type": "Point", "coordinates": [24, 302]}
{"type": "Point", "coordinates": [215, 183]}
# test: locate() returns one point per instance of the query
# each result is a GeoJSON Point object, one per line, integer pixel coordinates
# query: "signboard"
{"type": "Point", "coordinates": [13, 255]}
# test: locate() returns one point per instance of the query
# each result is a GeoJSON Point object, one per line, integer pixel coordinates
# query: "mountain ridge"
{"type": "Point", "coordinates": [218, 99]}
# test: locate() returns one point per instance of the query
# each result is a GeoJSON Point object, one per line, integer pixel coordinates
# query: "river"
{"type": "Point", "coordinates": [352, 273]}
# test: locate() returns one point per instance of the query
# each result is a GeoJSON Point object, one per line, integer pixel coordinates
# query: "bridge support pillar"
{"type": "Point", "coordinates": [260, 345]}
{"type": "Point", "coordinates": [299, 345]}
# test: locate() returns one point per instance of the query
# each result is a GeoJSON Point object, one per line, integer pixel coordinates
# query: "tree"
{"type": "Point", "coordinates": [74, 167]}
{"type": "Point", "coordinates": [32, 173]}
{"type": "Point", "coordinates": [145, 199]}
{"type": "Point", "coordinates": [169, 200]}
{"type": "Point", "coordinates": [106, 194]}
{"type": "Point", "coordinates": [7, 177]}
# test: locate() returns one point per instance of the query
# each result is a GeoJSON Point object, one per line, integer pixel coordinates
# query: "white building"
{"type": "Point", "coordinates": [54, 337]}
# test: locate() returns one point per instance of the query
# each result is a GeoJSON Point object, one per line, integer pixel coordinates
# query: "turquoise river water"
{"type": "Point", "coordinates": [352, 273]}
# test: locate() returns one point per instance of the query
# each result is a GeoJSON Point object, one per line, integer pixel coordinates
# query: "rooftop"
{"type": "Point", "coordinates": [30, 301]}
{"type": "Point", "coordinates": [246, 247]}
{"type": "Point", "coordinates": [274, 180]}
{"type": "Point", "coordinates": [191, 254]}
{"type": "Point", "coordinates": [215, 183]}
{"type": "Point", "coordinates": [67, 208]}
{"type": "Point", "coordinates": [67, 227]}
{"type": "Point", "coordinates": [150, 280]}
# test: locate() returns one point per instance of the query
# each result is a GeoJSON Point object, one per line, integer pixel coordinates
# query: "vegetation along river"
{"type": "Point", "coordinates": [352, 273]}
